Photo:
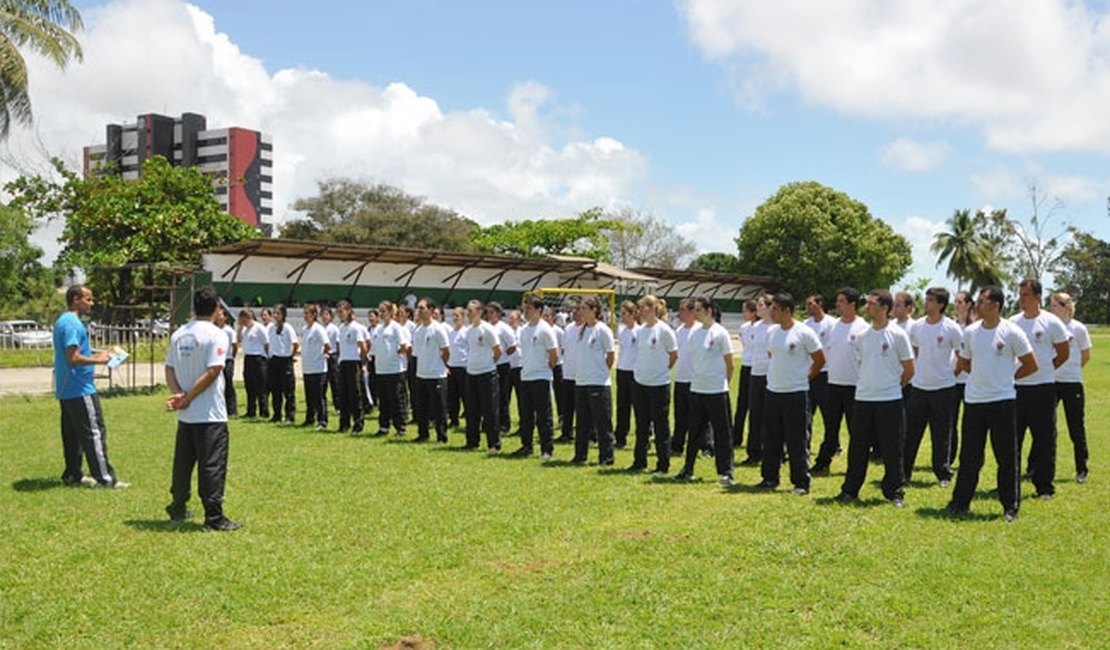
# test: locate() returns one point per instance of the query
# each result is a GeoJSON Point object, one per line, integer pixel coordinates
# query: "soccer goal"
{"type": "Point", "coordinates": [561, 299]}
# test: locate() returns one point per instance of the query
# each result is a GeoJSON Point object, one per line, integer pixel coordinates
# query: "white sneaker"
{"type": "Point", "coordinates": [544, 457]}
{"type": "Point", "coordinates": [118, 485]}
{"type": "Point", "coordinates": [725, 481]}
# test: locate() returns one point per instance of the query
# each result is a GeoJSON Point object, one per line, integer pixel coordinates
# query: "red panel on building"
{"type": "Point", "coordinates": [243, 165]}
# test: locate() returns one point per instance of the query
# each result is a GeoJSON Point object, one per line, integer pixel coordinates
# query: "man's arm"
{"type": "Point", "coordinates": [907, 371]}
{"type": "Point", "coordinates": [75, 358]}
{"type": "Point", "coordinates": [1062, 354]}
{"type": "Point", "coordinates": [818, 362]}
{"type": "Point", "coordinates": [1028, 366]}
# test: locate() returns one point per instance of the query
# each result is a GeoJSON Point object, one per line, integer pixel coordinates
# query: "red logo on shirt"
{"type": "Point", "coordinates": [219, 351]}
{"type": "Point", "coordinates": [792, 346]}
{"type": "Point", "coordinates": [999, 345]}
{"type": "Point", "coordinates": [940, 340]}
{"type": "Point", "coordinates": [886, 346]}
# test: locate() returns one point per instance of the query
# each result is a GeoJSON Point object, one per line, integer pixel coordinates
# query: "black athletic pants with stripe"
{"type": "Point", "coordinates": [431, 394]}
{"type": "Point", "coordinates": [481, 410]}
{"type": "Point", "coordinates": [202, 444]}
{"type": "Point", "coordinates": [504, 390]}
{"type": "Point", "coordinates": [316, 398]}
{"type": "Point", "coordinates": [254, 380]}
{"type": "Point", "coordinates": [230, 398]}
{"type": "Point", "coordinates": [83, 433]}
{"type": "Point", "coordinates": [350, 395]}
{"type": "Point", "coordinates": [283, 388]}
{"type": "Point", "coordinates": [653, 410]}
{"type": "Point", "coordinates": [534, 398]}
{"type": "Point", "coordinates": [1036, 410]}
{"type": "Point", "coordinates": [997, 418]}
{"type": "Point", "coordinates": [390, 390]}
{"type": "Point", "coordinates": [456, 393]}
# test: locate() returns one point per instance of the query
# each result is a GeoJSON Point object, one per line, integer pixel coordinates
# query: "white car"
{"type": "Point", "coordinates": [24, 334]}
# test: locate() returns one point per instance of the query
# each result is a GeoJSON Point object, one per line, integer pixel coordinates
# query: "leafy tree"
{"type": "Point", "coordinates": [1039, 241]}
{"type": "Point", "coordinates": [27, 288]}
{"type": "Point", "coordinates": [814, 238]}
{"type": "Point", "coordinates": [647, 240]}
{"type": "Point", "coordinates": [716, 262]}
{"type": "Point", "coordinates": [168, 215]}
{"type": "Point", "coordinates": [1083, 270]}
{"type": "Point", "coordinates": [586, 235]}
{"type": "Point", "coordinates": [42, 26]}
{"type": "Point", "coordinates": [353, 212]}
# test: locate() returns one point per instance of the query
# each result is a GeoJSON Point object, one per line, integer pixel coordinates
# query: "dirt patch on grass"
{"type": "Point", "coordinates": [410, 643]}
{"type": "Point", "coordinates": [634, 534]}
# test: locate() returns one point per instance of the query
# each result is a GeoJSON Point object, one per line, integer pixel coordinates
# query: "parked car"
{"type": "Point", "coordinates": [159, 327]}
{"type": "Point", "coordinates": [24, 334]}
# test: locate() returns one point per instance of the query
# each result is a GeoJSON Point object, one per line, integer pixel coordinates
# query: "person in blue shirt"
{"type": "Point", "coordinates": [83, 431]}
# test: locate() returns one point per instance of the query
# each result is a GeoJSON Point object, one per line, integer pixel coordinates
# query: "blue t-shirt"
{"type": "Point", "coordinates": [71, 381]}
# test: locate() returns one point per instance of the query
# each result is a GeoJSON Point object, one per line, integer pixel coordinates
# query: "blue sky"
{"type": "Point", "coordinates": [695, 110]}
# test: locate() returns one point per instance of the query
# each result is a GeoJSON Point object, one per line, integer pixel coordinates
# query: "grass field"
{"type": "Point", "coordinates": [359, 542]}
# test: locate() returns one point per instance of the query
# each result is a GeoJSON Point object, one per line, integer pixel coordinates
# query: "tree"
{"type": "Point", "coordinates": [812, 238]}
{"type": "Point", "coordinates": [1039, 242]}
{"type": "Point", "coordinates": [716, 262]}
{"type": "Point", "coordinates": [43, 26]}
{"type": "Point", "coordinates": [168, 215]}
{"type": "Point", "coordinates": [27, 288]}
{"type": "Point", "coordinates": [647, 240]}
{"type": "Point", "coordinates": [585, 235]}
{"type": "Point", "coordinates": [354, 212]}
{"type": "Point", "coordinates": [1083, 270]}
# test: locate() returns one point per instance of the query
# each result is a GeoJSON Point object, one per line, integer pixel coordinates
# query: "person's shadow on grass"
{"type": "Point", "coordinates": [944, 513]}
{"type": "Point", "coordinates": [36, 484]}
{"type": "Point", "coordinates": [165, 526]}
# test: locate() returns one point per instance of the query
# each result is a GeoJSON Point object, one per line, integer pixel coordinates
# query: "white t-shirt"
{"type": "Point", "coordinates": [515, 359]}
{"type": "Point", "coordinates": [281, 345]}
{"type": "Point", "coordinates": [593, 345]}
{"type": "Point", "coordinates": [936, 345]}
{"type": "Point", "coordinates": [1043, 333]}
{"type": "Point", "coordinates": [255, 339]}
{"type": "Point", "coordinates": [993, 354]}
{"type": "Point", "coordinates": [841, 360]}
{"type": "Point", "coordinates": [195, 348]}
{"type": "Point", "coordinates": [570, 351]}
{"type": "Point", "coordinates": [387, 341]}
{"type": "Point", "coordinates": [708, 348]}
{"type": "Point", "coordinates": [232, 338]}
{"type": "Point", "coordinates": [332, 331]}
{"type": "Point", "coordinates": [506, 338]}
{"type": "Point", "coordinates": [456, 338]}
{"type": "Point", "coordinates": [559, 335]}
{"type": "Point", "coordinates": [905, 325]}
{"type": "Point", "coordinates": [821, 328]}
{"type": "Point", "coordinates": [350, 335]}
{"type": "Point", "coordinates": [626, 354]}
{"type": "Point", "coordinates": [536, 343]}
{"type": "Point", "coordinates": [757, 341]}
{"type": "Point", "coordinates": [790, 360]}
{"type": "Point", "coordinates": [745, 349]}
{"type": "Point", "coordinates": [653, 347]}
{"type": "Point", "coordinates": [684, 367]}
{"type": "Point", "coordinates": [880, 353]}
{"type": "Point", "coordinates": [480, 341]}
{"type": "Point", "coordinates": [428, 342]}
{"type": "Point", "coordinates": [1078, 340]}
{"type": "Point", "coordinates": [314, 339]}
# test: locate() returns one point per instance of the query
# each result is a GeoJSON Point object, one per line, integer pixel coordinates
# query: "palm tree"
{"type": "Point", "coordinates": [43, 26]}
{"type": "Point", "coordinates": [961, 247]}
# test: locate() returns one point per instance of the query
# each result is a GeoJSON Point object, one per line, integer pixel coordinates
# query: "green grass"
{"type": "Point", "coordinates": [361, 542]}
{"type": "Point", "coordinates": [141, 352]}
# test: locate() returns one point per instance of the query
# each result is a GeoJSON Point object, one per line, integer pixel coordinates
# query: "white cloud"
{"type": "Point", "coordinates": [1033, 75]}
{"type": "Point", "coordinates": [910, 155]}
{"type": "Point", "coordinates": [165, 56]}
{"type": "Point", "coordinates": [920, 232]}
{"type": "Point", "coordinates": [709, 234]}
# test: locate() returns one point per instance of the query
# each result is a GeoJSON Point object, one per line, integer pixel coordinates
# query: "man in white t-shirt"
{"type": "Point", "coordinates": [431, 348]}
{"type": "Point", "coordinates": [566, 386]}
{"type": "Point", "coordinates": [353, 343]}
{"type": "Point", "coordinates": [194, 373]}
{"type": "Point", "coordinates": [795, 356]}
{"type": "Point", "coordinates": [821, 323]}
{"type": "Point", "coordinates": [332, 330]}
{"type": "Point", "coordinates": [539, 352]}
{"type": "Point", "coordinates": [989, 352]}
{"type": "Point", "coordinates": [506, 338]}
{"type": "Point", "coordinates": [1036, 402]}
{"type": "Point", "coordinates": [755, 348]}
{"type": "Point", "coordinates": [932, 395]}
{"type": "Point", "coordinates": [885, 359]}
{"type": "Point", "coordinates": [456, 366]}
{"type": "Point", "coordinates": [483, 353]}
{"type": "Point", "coordinates": [843, 375]}
{"type": "Point", "coordinates": [229, 364]}
{"type": "Point", "coordinates": [314, 369]}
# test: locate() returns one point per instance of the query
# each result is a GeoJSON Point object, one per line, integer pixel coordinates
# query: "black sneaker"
{"type": "Point", "coordinates": [844, 497]}
{"type": "Point", "coordinates": [1081, 477]}
{"type": "Point", "coordinates": [636, 467]}
{"type": "Point", "coordinates": [897, 502]}
{"type": "Point", "coordinates": [683, 476]}
{"type": "Point", "coordinates": [1010, 516]}
{"type": "Point", "coordinates": [178, 513]}
{"type": "Point", "coordinates": [819, 469]}
{"type": "Point", "coordinates": [223, 525]}
{"type": "Point", "coordinates": [766, 485]}
{"type": "Point", "coordinates": [750, 461]}
{"type": "Point", "coordinates": [522, 452]}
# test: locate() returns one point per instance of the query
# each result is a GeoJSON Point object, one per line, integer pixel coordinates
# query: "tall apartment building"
{"type": "Point", "coordinates": [239, 161]}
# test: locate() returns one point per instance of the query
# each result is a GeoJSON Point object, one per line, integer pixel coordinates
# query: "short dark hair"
{"type": "Point", "coordinates": [428, 302]}
{"type": "Point", "coordinates": [784, 300]}
{"type": "Point", "coordinates": [205, 300]}
{"type": "Point", "coordinates": [851, 294]}
{"type": "Point", "coordinates": [883, 297]}
{"type": "Point", "coordinates": [535, 302]}
{"type": "Point", "coordinates": [495, 306]}
{"type": "Point", "coordinates": [994, 294]}
{"type": "Point", "coordinates": [819, 299]}
{"type": "Point", "coordinates": [73, 293]}
{"type": "Point", "coordinates": [1034, 285]}
{"type": "Point", "coordinates": [939, 294]}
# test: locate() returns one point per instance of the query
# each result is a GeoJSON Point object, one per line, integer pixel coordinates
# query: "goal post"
{"type": "Point", "coordinates": [560, 298]}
